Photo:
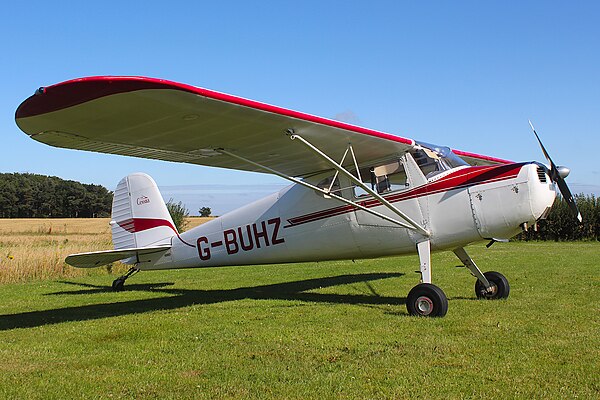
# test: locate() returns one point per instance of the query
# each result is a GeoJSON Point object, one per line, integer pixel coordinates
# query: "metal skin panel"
{"type": "Point", "coordinates": [297, 224]}
{"type": "Point", "coordinates": [500, 208]}
{"type": "Point", "coordinates": [121, 211]}
{"type": "Point", "coordinates": [261, 233]}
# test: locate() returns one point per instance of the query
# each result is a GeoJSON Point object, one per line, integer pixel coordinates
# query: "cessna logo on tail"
{"type": "Point", "coordinates": [142, 200]}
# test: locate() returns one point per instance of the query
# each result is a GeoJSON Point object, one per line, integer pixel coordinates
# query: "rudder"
{"type": "Point", "coordinates": [139, 215]}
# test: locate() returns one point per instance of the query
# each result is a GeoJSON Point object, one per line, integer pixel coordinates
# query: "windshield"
{"type": "Point", "coordinates": [434, 159]}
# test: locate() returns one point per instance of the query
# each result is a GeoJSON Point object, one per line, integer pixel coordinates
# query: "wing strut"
{"type": "Point", "coordinates": [413, 224]}
{"type": "Point", "coordinates": [349, 148]}
{"type": "Point", "coordinates": [409, 224]}
{"type": "Point", "coordinates": [318, 189]}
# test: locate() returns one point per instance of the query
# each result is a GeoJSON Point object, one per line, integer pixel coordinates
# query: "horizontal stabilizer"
{"type": "Point", "coordinates": [99, 258]}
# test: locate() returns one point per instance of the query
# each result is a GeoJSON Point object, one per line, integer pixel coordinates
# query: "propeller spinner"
{"type": "Point", "coordinates": [558, 175]}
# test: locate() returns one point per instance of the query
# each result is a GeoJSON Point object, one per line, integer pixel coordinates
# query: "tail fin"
{"type": "Point", "coordinates": [139, 215]}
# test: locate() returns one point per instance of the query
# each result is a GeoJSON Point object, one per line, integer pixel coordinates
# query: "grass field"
{"type": "Point", "coordinates": [314, 330]}
{"type": "Point", "coordinates": [36, 248]}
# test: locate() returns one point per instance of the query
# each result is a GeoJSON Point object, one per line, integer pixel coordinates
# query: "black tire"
{"type": "Point", "coordinates": [427, 300]}
{"type": "Point", "coordinates": [118, 284]}
{"type": "Point", "coordinates": [501, 288]}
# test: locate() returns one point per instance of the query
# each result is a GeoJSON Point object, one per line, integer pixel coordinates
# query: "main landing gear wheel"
{"type": "Point", "coordinates": [499, 290]}
{"type": "Point", "coordinates": [427, 300]}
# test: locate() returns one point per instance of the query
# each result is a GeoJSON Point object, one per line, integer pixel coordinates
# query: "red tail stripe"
{"type": "Point", "coordinates": [134, 225]}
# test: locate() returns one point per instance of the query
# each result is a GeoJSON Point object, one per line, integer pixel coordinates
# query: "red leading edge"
{"type": "Point", "coordinates": [77, 91]}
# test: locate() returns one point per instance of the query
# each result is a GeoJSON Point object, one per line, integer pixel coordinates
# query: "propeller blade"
{"type": "Point", "coordinates": [553, 170]}
{"type": "Point", "coordinates": [566, 193]}
{"type": "Point", "coordinates": [555, 176]}
{"type": "Point", "coordinates": [541, 144]}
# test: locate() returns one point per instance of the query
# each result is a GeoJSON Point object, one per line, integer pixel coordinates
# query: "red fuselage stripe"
{"type": "Point", "coordinates": [460, 179]}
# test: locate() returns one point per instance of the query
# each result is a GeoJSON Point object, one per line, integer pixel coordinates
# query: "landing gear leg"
{"type": "Point", "coordinates": [119, 283]}
{"type": "Point", "coordinates": [490, 285]}
{"type": "Point", "coordinates": [425, 259]}
{"type": "Point", "coordinates": [426, 299]}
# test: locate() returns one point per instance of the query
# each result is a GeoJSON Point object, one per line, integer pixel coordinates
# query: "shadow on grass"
{"type": "Point", "coordinates": [187, 297]}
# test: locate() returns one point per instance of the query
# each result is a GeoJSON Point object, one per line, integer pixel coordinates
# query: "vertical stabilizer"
{"type": "Point", "coordinates": [139, 215]}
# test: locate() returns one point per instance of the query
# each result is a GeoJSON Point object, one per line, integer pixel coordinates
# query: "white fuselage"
{"type": "Point", "coordinates": [457, 207]}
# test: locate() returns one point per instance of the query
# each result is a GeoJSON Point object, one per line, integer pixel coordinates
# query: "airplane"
{"type": "Point", "coordinates": [355, 193]}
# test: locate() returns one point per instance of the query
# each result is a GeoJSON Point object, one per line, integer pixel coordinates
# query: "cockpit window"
{"type": "Point", "coordinates": [390, 176]}
{"type": "Point", "coordinates": [434, 159]}
{"type": "Point", "coordinates": [383, 178]}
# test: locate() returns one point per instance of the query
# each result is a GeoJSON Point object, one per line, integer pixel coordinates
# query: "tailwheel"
{"type": "Point", "coordinates": [499, 287]}
{"type": "Point", "coordinates": [119, 284]}
{"type": "Point", "coordinates": [427, 300]}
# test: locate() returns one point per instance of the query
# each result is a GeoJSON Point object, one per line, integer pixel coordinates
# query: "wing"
{"type": "Point", "coordinates": [159, 119]}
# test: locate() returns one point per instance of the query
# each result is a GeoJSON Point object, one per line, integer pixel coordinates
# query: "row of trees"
{"type": "Point", "coordinates": [561, 225]}
{"type": "Point", "coordinates": [180, 214]}
{"type": "Point", "coordinates": [40, 196]}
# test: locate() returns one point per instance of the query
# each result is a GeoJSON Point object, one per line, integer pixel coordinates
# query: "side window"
{"type": "Point", "coordinates": [390, 177]}
{"type": "Point", "coordinates": [428, 161]}
{"type": "Point", "coordinates": [368, 178]}
{"type": "Point", "coordinates": [383, 178]}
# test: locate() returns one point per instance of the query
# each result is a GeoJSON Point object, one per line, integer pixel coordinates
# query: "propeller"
{"type": "Point", "coordinates": [558, 175]}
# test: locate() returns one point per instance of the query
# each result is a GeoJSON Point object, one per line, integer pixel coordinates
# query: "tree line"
{"type": "Point", "coordinates": [561, 225]}
{"type": "Point", "coordinates": [39, 196]}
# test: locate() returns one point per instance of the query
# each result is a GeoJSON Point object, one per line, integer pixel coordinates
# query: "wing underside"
{"type": "Point", "coordinates": [151, 118]}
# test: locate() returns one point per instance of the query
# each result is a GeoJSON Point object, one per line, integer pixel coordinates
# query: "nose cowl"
{"type": "Point", "coordinates": [541, 190]}
{"type": "Point", "coordinates": [510, 196]}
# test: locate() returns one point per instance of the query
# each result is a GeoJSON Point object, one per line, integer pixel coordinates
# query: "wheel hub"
{"type": "Point", "coordinates": [424, 305]}
{"type": "Point", "coordinates": [492, 290]}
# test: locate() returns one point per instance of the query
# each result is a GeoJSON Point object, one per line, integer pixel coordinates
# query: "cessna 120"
{"type": "Point", "coordinates": [356, 193]}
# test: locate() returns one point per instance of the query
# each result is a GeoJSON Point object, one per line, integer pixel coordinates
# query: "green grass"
{"type": "Point", "coordinates": [316, 330]}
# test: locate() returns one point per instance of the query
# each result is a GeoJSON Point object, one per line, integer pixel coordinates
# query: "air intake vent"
{"type": "Point", "coordinates": [542, 174]}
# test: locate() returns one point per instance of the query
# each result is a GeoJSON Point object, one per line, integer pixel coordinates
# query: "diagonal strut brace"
{"type": "Point", "coordinates": [318, 189]}
{"type": "Point", "coordinates": [414, 225]}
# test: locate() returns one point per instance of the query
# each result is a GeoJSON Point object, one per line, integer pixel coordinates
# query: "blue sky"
{"type": "Point", "coordinates": [464, 74]}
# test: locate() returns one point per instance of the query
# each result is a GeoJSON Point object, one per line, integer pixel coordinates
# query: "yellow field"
{"type": "Point", "coordinates": [36, 248]}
